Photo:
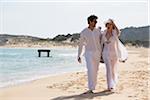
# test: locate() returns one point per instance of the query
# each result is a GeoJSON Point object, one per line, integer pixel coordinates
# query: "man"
{"type": "Point", "coordinates": [90, 39]}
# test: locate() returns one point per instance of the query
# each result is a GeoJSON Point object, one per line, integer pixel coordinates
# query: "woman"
{"type": "Point", "coordinates": [111, 53]}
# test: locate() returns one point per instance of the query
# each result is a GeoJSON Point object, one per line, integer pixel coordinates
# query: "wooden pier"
{"type": "Point", "coordinates": [43, 50]}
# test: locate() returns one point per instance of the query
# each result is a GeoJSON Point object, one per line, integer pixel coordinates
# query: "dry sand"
{"type": "Point", "coordinates": [133, 83]}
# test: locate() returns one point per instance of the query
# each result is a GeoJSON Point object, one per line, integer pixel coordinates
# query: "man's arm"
{"type": "Point", "coordinates": [80, 47]}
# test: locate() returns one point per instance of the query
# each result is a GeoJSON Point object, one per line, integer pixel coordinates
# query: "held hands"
{"type": "Point", "coordinates": [79, 60]}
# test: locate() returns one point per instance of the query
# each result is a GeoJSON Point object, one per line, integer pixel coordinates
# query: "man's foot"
{"type": "Point", "coordinates": [112, 90]}
{"type": "Point", "coordinates": [88, 92]}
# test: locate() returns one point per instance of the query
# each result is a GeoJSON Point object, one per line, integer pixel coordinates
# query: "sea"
{"type": "Point", "coordinates": [20, 65]}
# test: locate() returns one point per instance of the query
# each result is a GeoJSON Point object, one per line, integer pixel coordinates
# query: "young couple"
{"type": "Point", "coordinates": [97, 44]}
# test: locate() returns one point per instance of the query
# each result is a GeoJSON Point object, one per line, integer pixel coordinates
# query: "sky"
{"type": "Point", "coordinates": [48, 18]}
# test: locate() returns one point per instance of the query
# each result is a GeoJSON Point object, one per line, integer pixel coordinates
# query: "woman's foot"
{"type": "Point", "coordinates": [112, 89]}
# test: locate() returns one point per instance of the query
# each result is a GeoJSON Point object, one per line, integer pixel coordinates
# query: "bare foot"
{"type": "Point", "coordinates": [88, 92]}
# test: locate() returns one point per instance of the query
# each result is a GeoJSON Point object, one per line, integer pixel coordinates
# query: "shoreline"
{"type": "Point", "coordinates": [26, 81]}
{"type": "Point", "coordinates": [42, 45]}
{"type": "Point", "coordinates": [39, 78]}
{"type": "Point", "coordinates": [15, 82]}
{"type": "Point", "coordinates": [38, 47]}
{"type": "Point", "coordinates": [37, 83]}
{"type": "Point", "coordinates": [56, 46]}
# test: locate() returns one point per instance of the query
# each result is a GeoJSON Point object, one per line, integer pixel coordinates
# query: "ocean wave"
{"type": "Point", "coordinates": [68, 55]}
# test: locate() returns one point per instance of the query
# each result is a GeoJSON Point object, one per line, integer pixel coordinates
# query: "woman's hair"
{"type": "Point", "coordinates": [107, 24]}
{"type": "Point", "coordinates": [91, 18]}
{"type": "Point", "coordinates": [108, 21]}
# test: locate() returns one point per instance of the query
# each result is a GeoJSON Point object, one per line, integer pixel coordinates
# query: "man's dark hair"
{"type": "Point", "coordinates": [91, 18]}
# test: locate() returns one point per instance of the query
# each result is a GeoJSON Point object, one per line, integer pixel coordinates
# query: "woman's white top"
{"type": "Point", "coordinates": [113, 48]}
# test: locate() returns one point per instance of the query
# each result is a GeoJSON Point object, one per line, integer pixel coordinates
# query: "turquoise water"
{"type": "Point", "coordinates": [22, 65]}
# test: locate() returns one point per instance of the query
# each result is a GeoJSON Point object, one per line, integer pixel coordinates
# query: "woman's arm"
{"type": "Point", "coordinates": [115, 27]}
{"type": "Point", "coordinates": [117, 30]}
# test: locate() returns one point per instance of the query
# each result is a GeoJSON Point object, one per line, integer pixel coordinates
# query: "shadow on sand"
{"type": "Point", "coordinates": [83, 96]}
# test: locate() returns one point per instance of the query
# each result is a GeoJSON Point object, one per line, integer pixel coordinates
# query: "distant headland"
{"type": "Point", "coordinates": [133, 36]}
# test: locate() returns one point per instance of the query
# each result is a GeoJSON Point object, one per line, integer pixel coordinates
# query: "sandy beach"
{"type": "Point", "coordinates": [133, 83]}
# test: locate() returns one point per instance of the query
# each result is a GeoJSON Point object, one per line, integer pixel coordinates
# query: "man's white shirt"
{"type": "Point", "coordinates": [90, 39]}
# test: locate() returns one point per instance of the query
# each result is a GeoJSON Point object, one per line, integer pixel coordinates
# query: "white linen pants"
{"type": "Point", "coordinates": [92, 64]}
{"type": "Point", "coordinates": [111, 70]}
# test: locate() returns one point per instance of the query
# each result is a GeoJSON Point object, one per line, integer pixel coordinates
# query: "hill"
{"type": "Point", "coordinates": [136, 36]}
{"type": "Point", "coordinates": [15, 39]}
